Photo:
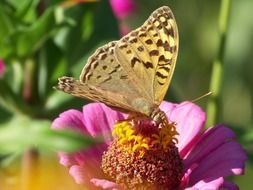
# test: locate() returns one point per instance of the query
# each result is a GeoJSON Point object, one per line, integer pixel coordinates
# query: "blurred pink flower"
{"type": "Point", "coordinates": [124, 29]}
{"type": "Point", "coordinates": [123, 8]}
{"type": "Point", "coordinates": [208, 156]}
{"type": "Point", "coordinates": [2, 68]}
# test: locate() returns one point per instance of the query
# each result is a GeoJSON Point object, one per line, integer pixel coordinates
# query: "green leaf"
{"type": "Point", "coordinates": [24, 6]}
{"type": "Point", "coordinates": [31, 38]}
{"type": "Point", "coordinates": [7, 23]}
{"type": "Point", "coordinates": [10, 100]}
{"type": "Point", "coordinates": [26, 39]}
{"type": "Point", "coordinates": [22, 133]}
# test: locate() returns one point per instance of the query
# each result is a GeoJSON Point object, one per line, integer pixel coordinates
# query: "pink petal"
{"type": "Point", "coordinates": [70, 119]}
{"type": "Point", "coordinates": [124, 8]}
{"type": "Point", "coordinates": [92, 155]}
{"type": "Point", "coordinates": [104, 184]}
{"type": "Point", "coordinates": [74, 119]}
{"type": "Point", "coordinates": [216, 135]}
{"type": "Point", "coordinates": [100, 119]}
{"type": "Point", "coordinates": [67, 159]}
{"type": "Point", "coordinates": [190, 119]}
{"type": "Point", "coordinates": [185, 179]}
{"type": "Point", "coordinates": [167, 107]}
{"type": "Point", "coordinates": [85, 164]}
{"type": "Point", "coordinates": [96, 120]}
{"type": "Point", "coordinates": [228, 159]}
{"type": "Point", "coordinates": [207, 184]}
{"type": "Point", "coordinates": [81, 176]}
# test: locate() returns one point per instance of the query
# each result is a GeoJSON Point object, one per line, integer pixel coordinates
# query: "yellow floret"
{"type": "Point", "coordinates": [134, 141]}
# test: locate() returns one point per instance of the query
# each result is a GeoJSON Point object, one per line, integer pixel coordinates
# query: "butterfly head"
{"type": "Point", "coordinates": [158, 116]}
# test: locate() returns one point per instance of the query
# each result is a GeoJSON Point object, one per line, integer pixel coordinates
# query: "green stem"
{"type": "Point", "coordinates": [214, 104]}
{"type": "Point", "coordinates": [10, 101]}
{"type": "Point", "coordinates": [29, 72]}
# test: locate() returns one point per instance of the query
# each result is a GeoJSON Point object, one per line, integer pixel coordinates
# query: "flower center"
{"type": "Point", "coordinates": [143, 156]}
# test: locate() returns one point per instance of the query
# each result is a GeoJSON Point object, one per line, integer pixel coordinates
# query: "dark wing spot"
{"type": "Point", "coordinates": [95, 65]}
{"type": "Point", "coordinates": [107, 79]}
{"type": "Point", "coordinates": [169, 32]}
{"type": "Point", "coordinates": [159, 43]}
{"type": "Point", "coordinates": [129, 51]}
{"type": "Point", "coordinates": [154, 53]}
{"type": "Point", "coordinates": [163, 62]}
{"type": "Point", "coordinates": [167, 47]}
{"type": "Point", "coordinates": [174, 48]}
{"type": "Point", "coordinates": [161, 58]}
{"type": "Point", "coordinates": [142, 35]}
{"type": "Point", "coordinates": [123, 77]}
{"type": "Point", "coordinates": [103, 56]}
{"type": "Point", "coordinates": [165, 23]}
{"type": "Point", "coordinates": [101, 50]}
{"type": "Point", "coordinates": [113, 71]}
{"type": "Point", "coordinates": [150, 28]}
{"type": "Point", "coordinates": [134, 61]}
{"type": "Point", "coordinates": [123, 46]}
{"type": "Point", "coordinates": [161, 83]}
{"type": "Point", "coordinates": [88, 76]}
{"type": "Point", "coordinates": [165, 68]}
{"type": "Point", "coordinates": [104, 67]}
{"type": "Point", "coordinates": [140, 48]}
{"type": "Point", "coordinates": [149, 41]}
{"type": "Point", "coordinates": [159, 26]}
{"type": "Point", "coordinates": [148, 64]}
{"type": "Point", "coordinates": [161, 75]}
{"type": "Point", "coordinates": [133, 40]}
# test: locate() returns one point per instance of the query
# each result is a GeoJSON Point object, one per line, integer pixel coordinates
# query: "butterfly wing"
{"type": "Point", "coordinates": [104, 71]}
{"type": "Point", "coordinates": [134, 73]}
{"type": "Point", "coordinates": [103, 79]}
{"type": "Point", "coordinates": [86, 91]}
{"type": "Point", "coordinates": [149, 53]}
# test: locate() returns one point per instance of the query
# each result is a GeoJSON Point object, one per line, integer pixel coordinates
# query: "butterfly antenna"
{"type": "Point", "coordinates": [201, 97]}
{"type": "Point", "coordinates": [196, 99]}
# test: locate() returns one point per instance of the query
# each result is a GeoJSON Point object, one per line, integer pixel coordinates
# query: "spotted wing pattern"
{"type": "Point", "coordinates": [149, 53]}
{"type": "Point", "coordinates": [134, 72]}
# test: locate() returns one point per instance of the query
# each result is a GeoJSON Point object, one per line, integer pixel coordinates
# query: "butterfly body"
{"type": "Point", "coordinates": [133, 74]}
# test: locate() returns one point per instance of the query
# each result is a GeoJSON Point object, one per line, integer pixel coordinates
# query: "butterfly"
{"type": "Point", "coordinates": [132, 74]}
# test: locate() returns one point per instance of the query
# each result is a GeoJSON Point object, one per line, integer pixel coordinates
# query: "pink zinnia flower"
{"type": "Point", "coordinates": [206, 157]}
{"type": "Point", "coordinates": [2, 68]}
{"type": "Point", "coordinates": [123, 8]}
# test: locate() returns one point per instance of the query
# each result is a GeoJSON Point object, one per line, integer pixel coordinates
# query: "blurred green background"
{"type": "Point", "coordinates": [41, 40]}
